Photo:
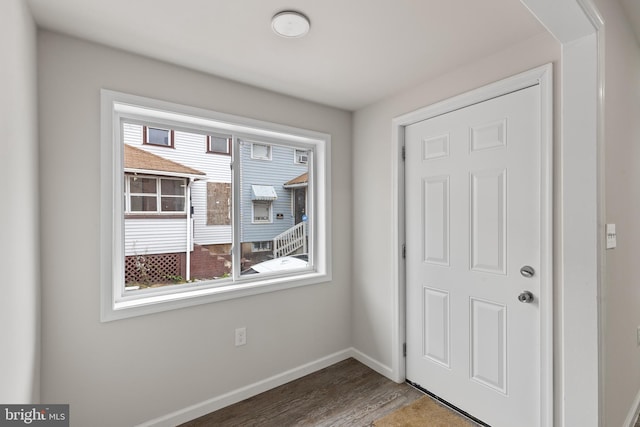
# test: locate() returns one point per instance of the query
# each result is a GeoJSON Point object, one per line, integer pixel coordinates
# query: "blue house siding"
{"type": "Point", "coordinates": [275, 172]}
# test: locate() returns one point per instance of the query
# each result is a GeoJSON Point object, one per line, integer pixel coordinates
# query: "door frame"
{"type": "Point", "coordinates": [542, 78]}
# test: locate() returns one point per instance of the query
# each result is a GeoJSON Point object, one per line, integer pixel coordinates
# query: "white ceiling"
{"type": "Point", "coordinates": [357, 52]}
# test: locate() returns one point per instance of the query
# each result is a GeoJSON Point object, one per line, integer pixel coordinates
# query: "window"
{"type": "Point", "coordinates": [260, 151]}
{"type": "Point", "coordinates": [158, 136]}
{"type": "Point", "coordinates": [261, 211]}
{"type": "Point", "coordinates": [181, 229]}
{"type": "Point", "coordinates": [301, 157]}
{"type": "Point", "coordinates": [154, 195]}
{"type": "Point", "coordinates": [218, 144]}
{"type": "Point", "coordinates": [265, 246]}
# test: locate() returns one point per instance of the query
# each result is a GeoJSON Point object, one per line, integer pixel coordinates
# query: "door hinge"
{"type": "Point", "coordinates": [404, 251]}
{"type": "Point", "coordinates": [404, 349]}
{"type": "Point", "coordinates": [404, 153]}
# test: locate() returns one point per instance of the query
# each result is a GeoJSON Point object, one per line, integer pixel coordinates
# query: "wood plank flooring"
{"type": "Point", "coordinates": [345, 394]}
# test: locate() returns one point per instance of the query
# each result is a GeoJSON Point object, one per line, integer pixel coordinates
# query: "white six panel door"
{"type": "Point", "coordinates": [473, 221]}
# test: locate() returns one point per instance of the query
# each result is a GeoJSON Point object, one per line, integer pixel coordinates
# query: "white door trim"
{"type": "Point", "coordinates": [542, 77]}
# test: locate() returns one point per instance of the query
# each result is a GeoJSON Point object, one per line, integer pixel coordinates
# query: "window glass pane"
{"type": "Point", "coordinates": [158, 136]}
{"type": "Point", "coordinates": [143, 204]}
{"type": "Point", "coordinates": [172, 204]}
{"type": "Point", "coordinates": [274, 234]}
{"type": "Point", "coordinates": [140, 185]}
{"type": "Point", "coordinates": [174, 187]}
{"type": "Point", "coordinates": [219, 144]}
{"type": "Point", "coordinates": [272, 214]}
{"type": "Point", "coordinates": [155, 244]}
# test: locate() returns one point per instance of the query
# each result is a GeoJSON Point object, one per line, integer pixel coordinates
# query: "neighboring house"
{"type": "Point", "coordinates": [168, 239]}
{"type": "Point", "coordinates": [163, 169]}
{"type": "Point", "coordinates": [273, 207]}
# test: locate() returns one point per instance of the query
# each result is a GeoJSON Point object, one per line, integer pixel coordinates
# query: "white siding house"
{"type": "Point", "coordinates": [157, 235]}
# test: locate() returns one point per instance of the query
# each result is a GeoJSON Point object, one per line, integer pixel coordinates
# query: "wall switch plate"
{"type": "Point", "coordinates": [241, 336]}
{"type": "Point", "coordinates": [610, 230]}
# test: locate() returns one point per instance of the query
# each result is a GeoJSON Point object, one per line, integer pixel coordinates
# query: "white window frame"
{"type": "Point", "coordinates": [117, 107]}
{"type": "Point", "coordinates": [256, 157]}
{"type": "Point", "coordinates": [158, 195]}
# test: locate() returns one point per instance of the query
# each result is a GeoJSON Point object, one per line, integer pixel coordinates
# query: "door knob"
{"type": "Point", "coordinates": [527, 271]}
{"type": "Point", "coordinates": [525, 297]}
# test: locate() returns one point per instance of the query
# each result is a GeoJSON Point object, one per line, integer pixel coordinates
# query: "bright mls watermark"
{"type": "Point", "coordinates": [34, 415]}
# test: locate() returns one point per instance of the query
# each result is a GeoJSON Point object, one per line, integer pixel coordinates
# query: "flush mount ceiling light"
{"type": "Point", "coordinates": [290, 24]}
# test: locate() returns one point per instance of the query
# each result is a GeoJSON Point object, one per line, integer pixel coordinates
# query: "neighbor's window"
{"type": "Point", "coordinates": [186, 228]}
{"type": "Point", "coordinates": [265, 246]}
{"type": "Point", "coordinates": [260, 151]}
{"type": "Point", "coordinates": [301, 157]}
{"type": "Point", "coordinates": [261, 212]}
{"type": "Point", "coordinates": [219, 144]}
{"type": "Point", "coordinates": [149, 194]}
{"type": "Point", "coordinates": [157, 136]}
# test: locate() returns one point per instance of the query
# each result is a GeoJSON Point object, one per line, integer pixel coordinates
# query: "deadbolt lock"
{"type": "Point", "coordinates": [527, 271]}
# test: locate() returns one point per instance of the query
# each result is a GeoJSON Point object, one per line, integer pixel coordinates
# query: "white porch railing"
{"type": "Point", "coordinates": [291, 240]}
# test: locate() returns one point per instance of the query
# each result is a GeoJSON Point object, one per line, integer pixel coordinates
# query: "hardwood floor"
{"type": "Point", "coordinates": [345, 394]}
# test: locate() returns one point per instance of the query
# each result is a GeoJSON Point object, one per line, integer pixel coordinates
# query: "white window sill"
{"type": "Point", "coordinates": [146, 304]}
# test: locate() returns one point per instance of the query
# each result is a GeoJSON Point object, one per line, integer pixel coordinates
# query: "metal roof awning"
{"type": "Point", "coordinates": [263, 192]}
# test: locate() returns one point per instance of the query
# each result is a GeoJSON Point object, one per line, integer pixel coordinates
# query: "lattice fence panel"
{"type": "Point", "coordinates": [151, 269]}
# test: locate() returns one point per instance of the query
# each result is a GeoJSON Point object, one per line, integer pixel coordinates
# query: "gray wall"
{"type": "Point", "coordinates": [372, 290]}
{"type": "Point", "coordinates": [130, 371]}
{"type": "Point", "coordinates": [621, 288]}
{"type": "Point", "coordinates": [156, 364]}
{"type": "Point", "coordinates": [19, 249]}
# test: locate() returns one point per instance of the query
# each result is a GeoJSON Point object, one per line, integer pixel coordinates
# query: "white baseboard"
{"type": "Point", "coordinates": [633, 413]}
{"type": "Point", "coordinates": [372, 363]}
{"type": "Point", "coordinates": [235, 396]}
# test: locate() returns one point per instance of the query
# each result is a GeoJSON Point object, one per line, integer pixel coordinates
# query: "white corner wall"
{"type": "Point", "coordinates": [621, 288]}
{"type": "Point", "coordinates": [19, 249]}
{"type": "Point", "coordinates": [131, 371]}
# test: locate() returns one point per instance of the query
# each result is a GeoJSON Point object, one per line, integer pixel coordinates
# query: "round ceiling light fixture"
{"type": "Point", "coordinates": [289, 23]}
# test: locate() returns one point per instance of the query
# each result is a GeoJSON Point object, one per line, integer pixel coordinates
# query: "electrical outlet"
{"type": "Point", "coordinates": [241, 336]}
